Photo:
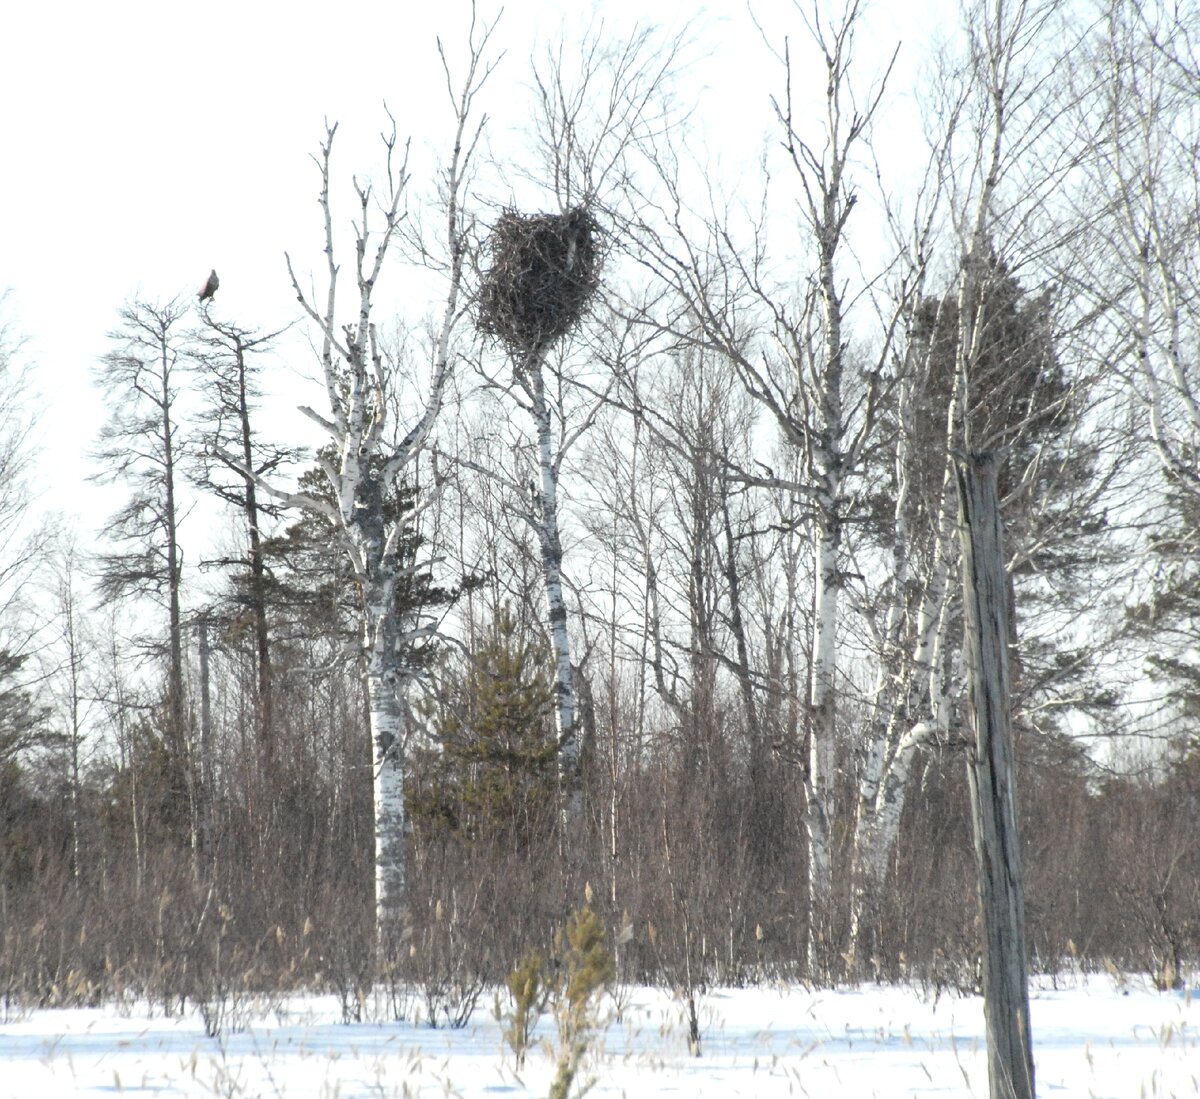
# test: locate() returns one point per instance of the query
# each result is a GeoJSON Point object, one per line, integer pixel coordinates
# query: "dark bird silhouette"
{"type": "Point", "coordinates": [210, 286]}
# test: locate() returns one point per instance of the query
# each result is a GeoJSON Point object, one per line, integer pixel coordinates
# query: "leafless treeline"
{"type": "Point", "coordinates": [733, 480]}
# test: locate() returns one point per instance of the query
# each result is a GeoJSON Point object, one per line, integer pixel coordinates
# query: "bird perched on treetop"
{"type": "Point", "coordinates": [210, 286]}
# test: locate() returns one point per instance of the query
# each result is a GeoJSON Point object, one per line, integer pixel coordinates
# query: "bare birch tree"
{"type": "Point", "coordinates": [592, 107]}
{"type": "Point", "coordinates": [989, 366]}
{"type": "Point", "coordinates": [368, 456]}
{"type": "Point", "coordinates": [794, 357]}
{"type": "Point", "coordinates": [1140, 270]}
{"type": "Point", "coordinates": [908, 620]}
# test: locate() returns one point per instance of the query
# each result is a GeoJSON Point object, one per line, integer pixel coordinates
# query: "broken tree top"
{"type": "Point", "coordinates": [544, 271]}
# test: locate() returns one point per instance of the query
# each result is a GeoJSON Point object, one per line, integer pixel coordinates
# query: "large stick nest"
{"type": "Point", "coordinates": [544, 271]}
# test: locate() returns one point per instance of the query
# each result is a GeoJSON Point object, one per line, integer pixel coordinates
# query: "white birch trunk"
{"type": "Point", "coordinates": [867, 863]}
{"type": "Point", "coordinates": [877, 829]}
{"type": "Point", "coordinates": [369, 464]}
{"type": "Point", "coordinates": [822, 758]}
{"type": "Point", "coordinates": [384, 634]}
{"type": "Point", "coordinates": [546, 523]}
{"type": "Point", "coordinates": [388, 761]}
{"type": "Point", "coordinates": [827, 464]}
{"type": "Point", "coordinates": [883, 788]}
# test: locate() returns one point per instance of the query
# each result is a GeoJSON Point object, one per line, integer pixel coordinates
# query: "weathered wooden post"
{"type": "Point", "coordinates": [993, 781]}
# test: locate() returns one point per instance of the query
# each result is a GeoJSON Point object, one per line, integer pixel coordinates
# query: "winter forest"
{"type": "Point", "coordinates": [618, 593]}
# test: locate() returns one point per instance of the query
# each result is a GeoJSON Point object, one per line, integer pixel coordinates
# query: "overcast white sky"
{"type": "Point", "coordinates": [146, 142]}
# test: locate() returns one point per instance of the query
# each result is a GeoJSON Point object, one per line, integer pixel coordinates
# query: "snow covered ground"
{"type": "Point", "coordinates": [1096, 1039]}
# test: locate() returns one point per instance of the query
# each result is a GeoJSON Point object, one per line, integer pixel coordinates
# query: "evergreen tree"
{"type": "Point", "coordinates": [311, 588]}
{"type": "Point", "coordinates": [1019, 402]}
{"type": "Point", "coordinates": [1169, 620]}
{"type": "Point", "coordinates": [22, 719]}
{"type": "Point", "coordinates": [492, 772]}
